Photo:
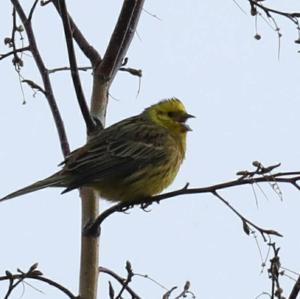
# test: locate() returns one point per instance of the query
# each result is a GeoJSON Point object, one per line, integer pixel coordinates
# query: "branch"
{"type": "Point", "coordinates": [66, 68]}
{"type": "Point", "coordinates": [32, 273]}
{"type": "Point", "coordinates": [258, 7]}
{"type": "Point", "coordinates": [114, 55]}
{"type": "Point", "coordinates": [17, 61]}
{"type": "Point", "coordinates": [90, 201]}
{"type": "Point", "coordinates": [290, 15]}
{"type": "Point", "coordinates": [186, 291]}
{"type": "Point", "coordinates": [127, 280]}
{"type": "Point", "coordinates": [247, 178]}
{"type": "Point", "coordinates": [120, 39]}
{"type": "Point", "coordinates": [295, 290]}
{"type": "Point", "coordinates": [89, 51]}
{"type": "Point", "coordinates": [32, 10]}
{"type": "Point", "coordinates": [121, 280]}
{"type": "Point", "coordinates": [34, 86]}
{"type": "Point", "coordinates": [131, 71]}
{"type": "Point", "coordinates": [274, 273]}
{"type": "Point", "coordinates": [45, 77]}
{"type": "Point", "coordinates": [74, 70]}
{"type": "Point", "coordinates": [13, 52]}
{"type": "Point", "coordinates": [168, 293]}
{"type": "Point", "coordinates": [246, 222]}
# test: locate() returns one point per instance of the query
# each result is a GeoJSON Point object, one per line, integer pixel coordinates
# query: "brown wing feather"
{"type": "Point", "coordinates": [116, 152]}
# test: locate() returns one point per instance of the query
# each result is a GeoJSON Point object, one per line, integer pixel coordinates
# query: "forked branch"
{"type": "Point", "coordinates": [120, 39]}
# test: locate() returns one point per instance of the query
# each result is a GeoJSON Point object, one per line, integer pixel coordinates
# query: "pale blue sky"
{"type": "Point", "coordinates": [247, 108]}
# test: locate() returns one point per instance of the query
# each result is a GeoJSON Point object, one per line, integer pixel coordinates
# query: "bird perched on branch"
{"type": "Point", "coordinates": [135, 158]}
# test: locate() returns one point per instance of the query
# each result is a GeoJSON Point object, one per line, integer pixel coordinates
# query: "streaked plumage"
{"type": "Point", "coordinates": [136, 157]}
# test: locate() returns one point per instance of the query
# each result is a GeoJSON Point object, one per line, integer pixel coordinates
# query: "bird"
{"type": "Point", "coordinates": [136, 158]}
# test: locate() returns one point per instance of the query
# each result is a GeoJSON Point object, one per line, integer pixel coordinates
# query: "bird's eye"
{"type": "Point", "coordinates": [171, 114]}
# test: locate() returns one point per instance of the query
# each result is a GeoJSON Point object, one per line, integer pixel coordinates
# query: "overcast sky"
{"type": "Point", "coordinates": [246, 101]}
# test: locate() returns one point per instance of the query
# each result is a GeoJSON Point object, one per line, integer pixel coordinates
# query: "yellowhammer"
{"type": "Point", "coordinates": [134, 158]}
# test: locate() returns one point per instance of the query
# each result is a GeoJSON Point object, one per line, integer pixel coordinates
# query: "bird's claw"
{"type": "Point", "coordinates": [145, 205]}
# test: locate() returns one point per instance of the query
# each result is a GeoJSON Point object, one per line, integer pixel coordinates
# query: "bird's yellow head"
{"type": "Point", "coordinates": [170, 114]}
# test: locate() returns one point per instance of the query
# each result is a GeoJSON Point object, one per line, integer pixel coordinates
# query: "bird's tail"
{"type": "Point", "coordinates": [55, 180]}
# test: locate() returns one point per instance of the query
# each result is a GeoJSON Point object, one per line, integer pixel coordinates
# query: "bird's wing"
{"type": "Point", "coordinates": [116, 153]}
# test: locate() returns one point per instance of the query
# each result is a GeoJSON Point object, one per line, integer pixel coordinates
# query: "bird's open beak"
{"type": "Point", "coordinates": [184, 118]}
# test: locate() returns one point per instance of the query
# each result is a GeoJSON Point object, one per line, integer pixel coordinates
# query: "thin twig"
{"type": "Point", "coordinates": [121, 280]}
{"type": "Point", "coordinates": [34, 86]}
{"type": "Point", "coordinates": [290, 15]}
{"type": "Point", "coordinates": [17, 61]}
{"type": "Point", "coordinates": [186, 291]}
{"type": "Point", "coordinates": [13, 52]}
{"type": "Point", "coordinates": [74, 70]}
{"type": "Point", "coordinates": [246, 222]}
{"type": "Point", "coordinates": [66, 68]}
{"type": "Point", "coordinates": [35, 274]}
{"type": "Point", "coordinates": [32, 10]}
{"type": "Point", "coordinates": [168, 293]}
{"type": "Point", "coordinates": [274, 273]}
{"type": "Point", "coordinates": [127, 280]}
{"type": "Point", "coordinates": [45, 2]}
{"type": "Point", "coordinates": [89, 51]}
{"type": "Point", "coordinates": [152, 15]}
{"type": "Point", "coordinates": [151, 279]}
{"type": "Point", "coordinates": [269, 12]}
{"type": "Point", "coordinates": [45, 77]}
{"type": "Point", "coordinates": [132, 71]}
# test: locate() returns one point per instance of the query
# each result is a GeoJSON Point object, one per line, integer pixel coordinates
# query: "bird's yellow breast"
{"type": "Point", "coordinates": [149, 180]}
